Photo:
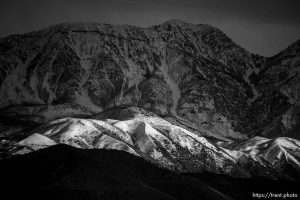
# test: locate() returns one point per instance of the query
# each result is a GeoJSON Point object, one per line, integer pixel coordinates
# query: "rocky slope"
{"type": "Point", "coordinates": [139, 133]}
{"type": "Point", "coordinates": [146, 135]}
{"type": "Point", "coordinates": [282, 152]}
{"type": "Point", "coordinates": [192, 74]}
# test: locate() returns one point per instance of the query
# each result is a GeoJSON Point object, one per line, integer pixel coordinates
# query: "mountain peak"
{"type": "Point", "coordinates": [176, 21]}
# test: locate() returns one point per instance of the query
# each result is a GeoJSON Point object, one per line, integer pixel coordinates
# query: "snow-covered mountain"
{"type": "Point", "coordinates": [281, 152]}
{"type": "Point", "coordinates": [182, 96]}
{"type": "Point", "coordinates": [193, 73]}
{"type": "Point", "coordinates": [146, 135]}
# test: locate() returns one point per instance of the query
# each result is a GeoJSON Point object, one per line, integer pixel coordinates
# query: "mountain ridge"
{"type": "Point", "coordinates": [186, 71]}
{"type": "Point", "coordinates": [144, 134]}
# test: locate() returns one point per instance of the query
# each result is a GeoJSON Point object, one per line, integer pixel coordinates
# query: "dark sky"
{"type": "Point", "coordinates": [261, 26]}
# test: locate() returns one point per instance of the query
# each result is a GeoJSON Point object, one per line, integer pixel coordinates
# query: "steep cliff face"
{"type": "Point", "coordinates": [193, 74]}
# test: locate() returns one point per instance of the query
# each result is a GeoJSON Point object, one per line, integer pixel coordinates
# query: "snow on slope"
{"type": "Point", "coordinates": [84, 133]}
{"type": "Point", "coordinates": [281, 152]}
{"type": "Point", "coordinates": [106, 66]}
{"type": "Point", "coordinates": [81, 48]}
{"type": "Point", "coordinates": [31, 143]}
{"type": "Point", "coordinates": [174, 88]}
{"type": "Point", "coordinates": [37, 141]}
{"type": "Point", "coordinates": [144, 134]}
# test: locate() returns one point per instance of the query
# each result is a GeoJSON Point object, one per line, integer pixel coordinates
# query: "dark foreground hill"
{"type": "Point", "coordinates": [64, 172]}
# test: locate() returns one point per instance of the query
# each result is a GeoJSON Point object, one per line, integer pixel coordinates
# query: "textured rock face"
{"type": "Point", "coordinates": [276, 111]}
{"type": "Point", "coordinates": [281, 152]}
{"type": "Point", "coordinates": [193, 73]}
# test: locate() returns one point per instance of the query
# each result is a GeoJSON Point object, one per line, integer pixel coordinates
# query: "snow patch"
{"type": "Point", "coordinates": [173, 86]}
{"type": "Point", "coordinates": [37, 141]}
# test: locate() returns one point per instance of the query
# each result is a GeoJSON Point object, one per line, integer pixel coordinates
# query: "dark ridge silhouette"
{"type": "Point", "coordinates": [64, 172]}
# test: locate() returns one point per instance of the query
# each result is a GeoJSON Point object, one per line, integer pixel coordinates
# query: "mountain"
{"type": "Point", "coordinates": [146, 135]}
{"type": "Point", "coordinates": [191, 74]}
{"type": "Point", "coordinates": [183, 97]}
{"type": "Point", "coordinates": [140, 133]}
{"type": "Point", "coordinates": [281, 152]}
{"type": "Point", "coordinates": [64, 172]}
